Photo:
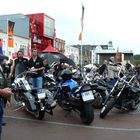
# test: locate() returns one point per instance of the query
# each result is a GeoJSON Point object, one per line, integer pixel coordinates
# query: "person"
{"type": "Point", "coordinates": [5, 92]}
{"type": "Point", "coordinates": [112, 69]}
{"type": "Point", "coordinates": [36, 64]}
{"type": "Point", "coordinates": [59, 66]}
{"type": "Point", "coordinates": [20, 64]}
{"type": "Point", "coordinates": [46, 65]}
{"type": "Point", "coordinates": [128, 66]}
{"type": "Point", "coordinates": [103, 69]}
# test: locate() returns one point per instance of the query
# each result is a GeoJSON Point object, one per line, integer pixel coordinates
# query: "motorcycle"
{"type": "Point", "coordinates": [70, 96]}
{"type": "Point", "coordinates": [36, 101]}
{"type": "Point", "coordinates": [99, 88]}
{"type": "Point", "coordinates": [124, 95]}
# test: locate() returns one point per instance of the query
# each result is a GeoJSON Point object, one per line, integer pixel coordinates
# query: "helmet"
{"type": "Point", "coordinates": [66, 74]}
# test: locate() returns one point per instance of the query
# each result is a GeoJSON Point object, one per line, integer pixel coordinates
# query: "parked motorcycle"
{"type": "Point", "coordinates": [99, 87]}
{"type": "Point", "coordinates": [124, 95]}
{"type": "Point", "coordinates": [36, 101]}
{"type": "Point", "coordinates": [71, 96]}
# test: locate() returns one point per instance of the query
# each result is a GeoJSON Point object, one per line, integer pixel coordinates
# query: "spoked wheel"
{"type": "Point", "coordinates": [135, 104]}
{"type": "Point", "coordinates": [87, 114]}
{"type": "Point", "coordinates": [98, 100]}
{"type": "Point", "coordinates": [107, 107]}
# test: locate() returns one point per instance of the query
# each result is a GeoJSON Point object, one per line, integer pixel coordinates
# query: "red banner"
{"type": "Point", "coordinates": [10, 34]}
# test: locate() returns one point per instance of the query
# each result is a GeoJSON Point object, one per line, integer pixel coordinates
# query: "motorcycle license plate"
{"type": "Point", "coordinates": [41, 95]}
{"type": "Point", "coordinates": [86, 96]}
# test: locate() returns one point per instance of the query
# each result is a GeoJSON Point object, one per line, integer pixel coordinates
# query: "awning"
{"type": "Point", "coordinates": [56, 57]}
{"type": "Point", "coordinates": [49, 49]}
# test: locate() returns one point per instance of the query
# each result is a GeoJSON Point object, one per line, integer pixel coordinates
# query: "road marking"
{"type": "Point", "coordinates": [75, 125]}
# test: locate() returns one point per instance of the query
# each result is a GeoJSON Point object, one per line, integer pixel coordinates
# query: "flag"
{"type": "Point", "coordinates": [118, 56]}
{"type": "Point", "coordinates": [80, 36]}
{"type": "Point", "coordinates": [10, 33]}
{"type": "Point", "coordinates": [82, 22]}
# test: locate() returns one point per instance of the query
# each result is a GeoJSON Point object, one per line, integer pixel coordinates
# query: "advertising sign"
{"type": "Point", "coordinates": [49, 27]}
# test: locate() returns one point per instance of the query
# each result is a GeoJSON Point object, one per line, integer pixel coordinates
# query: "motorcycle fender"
{"type": "Point", "coordinates": [31, 100]}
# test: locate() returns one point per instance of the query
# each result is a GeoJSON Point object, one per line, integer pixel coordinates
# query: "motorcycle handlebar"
{"type": "Point", "coordinates": [26, 72]}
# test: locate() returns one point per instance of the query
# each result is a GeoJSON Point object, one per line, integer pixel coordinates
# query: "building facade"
{"type": "Point", "coordinates": [72, 53]}
{"type": "Point", "coordinates": [20, 34]}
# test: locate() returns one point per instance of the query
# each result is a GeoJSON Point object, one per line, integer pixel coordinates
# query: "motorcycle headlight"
{"type": "Point", "coordinates": [77, 95]}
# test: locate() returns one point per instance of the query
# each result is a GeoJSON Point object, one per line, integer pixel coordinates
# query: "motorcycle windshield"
{"type": "Point", "coordinates": [19, 69]}
{"type": "Point", "coordinates": [71, 83]}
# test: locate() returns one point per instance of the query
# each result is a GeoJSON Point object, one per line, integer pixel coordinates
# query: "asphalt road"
{"type": "Point", "coordinates": [62, 126]}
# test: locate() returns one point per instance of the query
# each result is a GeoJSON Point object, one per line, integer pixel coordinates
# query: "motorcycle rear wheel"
{"type": "Point", "coordinates": [87, 114]}
{"type": "Point", "coordinates": [107, 107]}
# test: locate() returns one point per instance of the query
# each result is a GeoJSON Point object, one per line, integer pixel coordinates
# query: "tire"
{"type": "Point", "coordinates": [135, 105]}
{"type": "Point", "coordinates": [87, 114]}
{"type": "Point", "coordinates": [16, 96]}
{"type": "Point", "coordinates": [39, 114]}
{"type": "Point", "coordinates": [98, 100]}
{"type": "Point", "coordinates": [107, 107]}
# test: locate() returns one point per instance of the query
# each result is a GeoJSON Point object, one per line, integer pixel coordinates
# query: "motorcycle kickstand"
{"type": "Point", "coordinates": [49, 112]}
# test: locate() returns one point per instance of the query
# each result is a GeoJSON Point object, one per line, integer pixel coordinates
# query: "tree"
{"type": "Point", "coordinates": [136, 59]}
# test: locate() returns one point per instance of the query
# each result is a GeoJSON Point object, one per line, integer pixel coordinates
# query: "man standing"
{"type": "Point", "coordinates": [36, 63]}
{"type": "Point", "coordinates": [20, 64]}
{"type": "Point", "coordinates": [3, 93]}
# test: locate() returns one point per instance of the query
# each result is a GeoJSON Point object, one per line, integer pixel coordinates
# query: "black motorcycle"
{"type": "Point", "coordinates": [36, 101]}
{"type": "Point", "coordinates": [124, 95]}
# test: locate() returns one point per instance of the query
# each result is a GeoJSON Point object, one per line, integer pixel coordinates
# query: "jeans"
{"type": "Point", "coordinates": [1, 115]}
{"type": "Point", "coordinates": [37, 83]}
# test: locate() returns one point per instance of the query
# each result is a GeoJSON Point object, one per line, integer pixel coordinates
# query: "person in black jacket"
{"type": "Point", "coordinates": [5, 93]}
{"type": "Point", "coordinates": [20, 64]}
{"type": "Point", "coordinates": [103, 68]}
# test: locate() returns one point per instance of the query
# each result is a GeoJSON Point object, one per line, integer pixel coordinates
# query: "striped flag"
{"type": "Point", "coordinates": [82, 22]}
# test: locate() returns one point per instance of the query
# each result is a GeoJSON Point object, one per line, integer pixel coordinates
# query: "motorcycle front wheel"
{"type": "Point", "coordinates": [39, 114]}
{"type": "Point", "coordinates": [98, 100]}
{"type": "Point", "coordinates": [87, 114]}
{"type": "Point", "coordinates": [107, 107]}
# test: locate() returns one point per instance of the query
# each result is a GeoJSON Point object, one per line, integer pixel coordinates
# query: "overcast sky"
{"type": "Point", "coordinates": [104, 20]}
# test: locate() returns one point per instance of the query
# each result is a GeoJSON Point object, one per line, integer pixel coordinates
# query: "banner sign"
{"type": "Point", "coordinates": [10, 34]}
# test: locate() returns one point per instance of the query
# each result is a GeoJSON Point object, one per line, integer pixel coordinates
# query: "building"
{"type": "Point", "coordinates": [42, 30]}
{"type": "Point", "coordinates": [86, 53]}
{"type": "Point", "coordinates": [72, 53]}
{"type": "Point", "coordinates": [20, 34]}
{"type": "Point", "coordinates": [38, 29]}
{"type": "Point", "coordinates": [96, 54]}
{"type": "Point", "coordinates": [59, 45]}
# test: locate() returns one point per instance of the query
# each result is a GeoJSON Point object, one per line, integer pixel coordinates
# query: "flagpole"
{"type": "Point", "coordinates": [81, 54]}
{"type": "Point", "coordinates": [81, 34]}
